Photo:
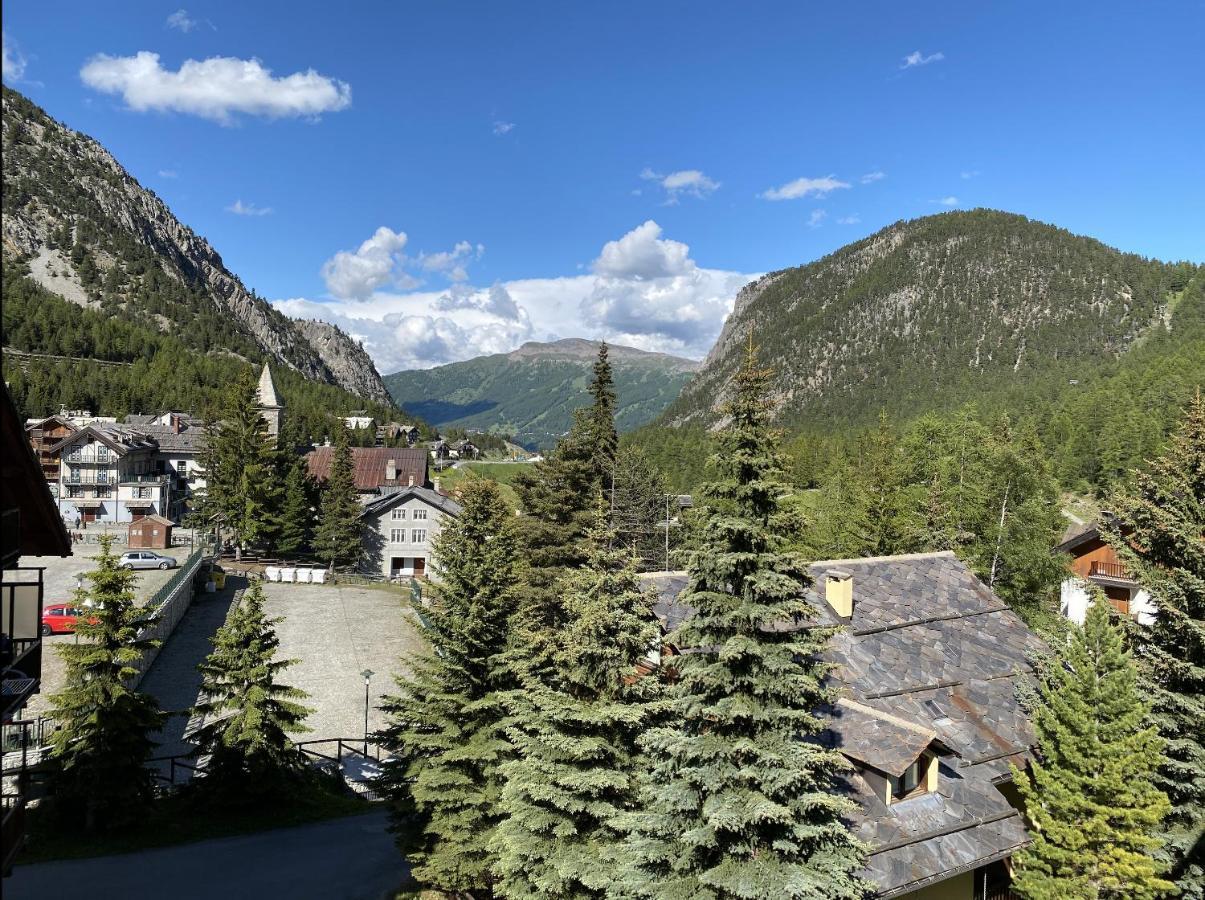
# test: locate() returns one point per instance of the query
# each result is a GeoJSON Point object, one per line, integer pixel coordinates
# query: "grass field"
{"type": "Point", "coordinates": [503, 473]}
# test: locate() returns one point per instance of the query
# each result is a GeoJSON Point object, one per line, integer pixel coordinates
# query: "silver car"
{"type": "Point", "coordinates": [145, 559]}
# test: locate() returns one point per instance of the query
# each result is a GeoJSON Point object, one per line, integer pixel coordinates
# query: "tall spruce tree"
{"type": "Point", "coordinates": [445, 725]}
{"type": "Point", "coordinates": [1089, 796]}
{"type": "Point", "coordinates": [602, 440]}
{"type": "Point", "coordinates": [1159, 534]}
{"type": "Point", "coordinates": [740, 803]}
{"type": "Point", "coordinates": [99, 751]}
{"type": "Point", "coordinates": [575, 735]}
{"type": "Point", "coordinates": [241, 492]}
{"type": "Point", "coordinates": [640, 504]}
{"type": "Point", "coordinates": [249, 715]}
{"type": "Point", "coordinates": [337, 537]}
{"type": "Point", "coordinates": [297, 513]}
{"type": "Point", "coordinates": [883, 489]}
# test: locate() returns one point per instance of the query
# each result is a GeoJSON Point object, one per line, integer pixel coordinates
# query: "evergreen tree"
{"type": "Point", "coordinates": [575, 738]}
{"type": "Point", "coordinates": [841, 528]}
{"type": "Point", "coordinates": [445, 727]}
{"type": "Point", "coordinates": [337, 537]}
{"type": "Point", "coordinates": [1090, 798]}
{"type": "Point", "coordinates": [250, 716]}
{"type": "Point", "coordinates": [640, 503]}
{"type": "Point", "coordinates": [100, 749]}
{"type": "Point", "coordinates": [740, 803]}
{"type": "Point", "coordinates": [883, 489]}
{"type": "Point", "coordinates": [1158, 535]}
{"type": "Point", "coordinates": [601, 438]}
{"type": "Point", "coordinates": [241, 492]}
{"type": "Point", "coordinates": [297, 513]}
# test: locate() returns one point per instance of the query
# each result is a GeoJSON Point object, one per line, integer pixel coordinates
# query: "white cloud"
{"type": "Point", "coordinates": [181, 21]}
{"type": "Point", "coordinates": [690, 182]}
{"type": "Point", "coordinates": [947, 201]}
{"type": "Point", "coordinates": [13, 60]}
{"type": "Point", "coordinates": [645, 291]}
{"type": "Point", "coordinates": [503, 127]}
{"type": "Point", "coordinates": [451, 262]}
{"type": "Point", "coordinates": [355, 275]}
{"type": "Point", "coordinates": [916, 58]}
{"type": "Point", "coordinates": [239, 208]}
{"type": "Point", "coordinates": [968, 175]}
{"type": "Point", "coordinates": [168, 173]}
{"type": "Point", "coordinates": [848, 220]}
{"type": "Point", "coordinates": [642, 254]}
{"type": "Point", "coordinates": [816, 219]}
{"type": "Point", "coordinates": [215, 88]}
{"type": "Point", "coordinates": [872, 177]}
{"type": "Point", "coordinates": [803, 187]}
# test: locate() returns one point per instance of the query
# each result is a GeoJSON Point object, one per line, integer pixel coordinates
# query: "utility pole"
{"type": "Point", "coordinates": [667, 496]}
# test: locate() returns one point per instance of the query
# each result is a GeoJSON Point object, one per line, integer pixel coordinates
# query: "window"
{"type": "Point", "coordinates": [418, 535]}
{"type": "Point", "coordinates": [399, 513]}
{"type": "Point", "coordinates": [420, 514]}
{"type": "Point", "coordinates": [102, 477]}
{"type": "Point", "coordinates": [918, 778]}
{"type": "Point", "coordinates": [182, 468]}
{"type": "Point", "coordinates": [74, 455]}
{"type": "Point", "coordinates": [102, 453]}
{"type": "Point", "coordinates": [397, 535]}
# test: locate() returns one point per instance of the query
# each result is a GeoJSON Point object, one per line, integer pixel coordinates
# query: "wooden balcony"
{"type": "Point", "coordinates": [1111, 571]}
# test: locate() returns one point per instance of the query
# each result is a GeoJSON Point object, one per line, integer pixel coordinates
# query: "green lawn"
{"type": "Point", "coordinates": [177, 820]}
{"type": "Point", "coordinates": [503, 473]}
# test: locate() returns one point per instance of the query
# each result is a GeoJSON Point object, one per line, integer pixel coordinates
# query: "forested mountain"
{"type": "Point", "coordinates": [76, 223]}
{"type": "Point", "coordinates": [532, 392]}
{"type": "Point", "coordinates": [1095, 348]}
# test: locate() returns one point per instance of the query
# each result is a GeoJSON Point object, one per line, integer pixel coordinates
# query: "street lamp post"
{"type": "Point", "coordinates": [367, 673]}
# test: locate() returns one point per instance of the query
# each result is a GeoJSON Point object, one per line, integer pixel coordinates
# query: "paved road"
{"type": "Point", "coordinates": [344, 859]}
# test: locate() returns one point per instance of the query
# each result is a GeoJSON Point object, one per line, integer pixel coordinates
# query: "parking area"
{"type": "Point", "coordinates": [61, 576]}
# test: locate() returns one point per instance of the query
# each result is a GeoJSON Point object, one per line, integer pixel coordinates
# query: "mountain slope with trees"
{"type": "Point", "coordinates": [532, 392]}
{"type": "Point", "coordinates": [78, 225]}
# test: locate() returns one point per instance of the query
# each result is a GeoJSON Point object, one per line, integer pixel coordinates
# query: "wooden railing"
{"type": "Point", "coordinates": [1109, 570]}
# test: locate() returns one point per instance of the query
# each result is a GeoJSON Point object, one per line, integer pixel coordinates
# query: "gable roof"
{"type": "Point", "coordinates": [369, 465]}
{"type": "Point", "coordinates": [395, 496]}
{"type": "Point", "coordinates": [154, 518]}
{"type": "Point", "coordinates": [56, 418]}
{"type": "Point", "coordinates": [120, 440]}
{"type": "Point", "coordinates": [267, 389]}
{"type": "Point", "coordinates": [23, 488]}
{"type": "Point", "coordinates": [929, 650]}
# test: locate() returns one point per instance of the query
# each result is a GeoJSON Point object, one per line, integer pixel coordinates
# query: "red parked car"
{"type": "Point", "coordinates": [60, 618]}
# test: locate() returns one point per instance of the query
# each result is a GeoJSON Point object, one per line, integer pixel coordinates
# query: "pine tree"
{"type": "Point", "coordinates": [841, 529]}
{"type": "Point", "coordinates": [1089, 796]}
{"type": "Point", "coordinates": [250, 716]}
{"type": "Point", "coordinates": [883, 488]}
{"type": "Point", "coordinates": [100, 750]}
{"type": "Point", "coordinates": [576, 738]}
{"type": "Point", "coordinates": [337, 537]}
{"type": "Point", "coordinates": [740, 803]}
{"type": "Point", "coordinates": [445, 726]}
{"type": "Point", "coordinates": [239, 460]}
{"type": "Point", "coordinates": [602, 440]}
{"type": "Point", "coordinates": [297, 513]}
{"type": "Point", "coordinates": [1158, 536]}
{"type": "Point", "coordinates": [638, 508]}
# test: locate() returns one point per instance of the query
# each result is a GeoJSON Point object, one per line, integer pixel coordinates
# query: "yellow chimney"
{"type": "Point", "coordinates": [839, 591]}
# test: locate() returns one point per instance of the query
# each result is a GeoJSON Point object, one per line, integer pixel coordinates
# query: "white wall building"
{"type": "Point", "coordinates": [107, 473]}
{"type": "Point", "coordinates": [401, 529]}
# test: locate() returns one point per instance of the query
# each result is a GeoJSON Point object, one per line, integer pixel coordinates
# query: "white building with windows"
{"type": "Point", "coordinates": [107, 473]}
{"type": "Point", "coordinates": [401, 527]}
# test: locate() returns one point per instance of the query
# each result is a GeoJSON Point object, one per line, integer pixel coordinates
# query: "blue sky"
{"type": "Point", "coordinates": [615, 169]}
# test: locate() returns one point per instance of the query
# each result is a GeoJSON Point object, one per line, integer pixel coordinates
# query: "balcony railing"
{"type": "Point", "coordinates": [1116, 571]}
{"type": "Point", "coordinates": [150, 478]}
{"type": "Point", "coordinates": [89, 479]}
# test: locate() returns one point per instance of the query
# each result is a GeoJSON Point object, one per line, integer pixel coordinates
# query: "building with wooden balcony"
{"type": "Point", "coordinates": [1094, 563]}
{"type": "Point", "coordinates": [30, 526]}
{"type": "Point", "coordinates": [108, 473]}
{"type": "Point", "coordinates": [44, 436]}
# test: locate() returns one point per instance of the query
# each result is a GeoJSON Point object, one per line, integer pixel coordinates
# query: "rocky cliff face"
{"type": "Point", "coordinates": [92, 234]}
{"type": "Point", "coordinates": [933, 312]}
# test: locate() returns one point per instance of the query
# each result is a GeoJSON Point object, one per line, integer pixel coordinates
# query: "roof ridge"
{"type": "Point", "coordinates": [887, 717]}
{"type": "Point", "coordinates": [933, 554]}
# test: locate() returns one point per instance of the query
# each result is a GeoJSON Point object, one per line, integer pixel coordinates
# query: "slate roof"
{"type": "Point", "coordinates": [370, 463]}
{"type": "Point", "coordinates": [117, 438]}
{"type": "Point", "coordinates": [928, 650]}
{"type": "Point", "coordinates": [189, 440]}
{"type": "Point", "coordinates": [394, 496]}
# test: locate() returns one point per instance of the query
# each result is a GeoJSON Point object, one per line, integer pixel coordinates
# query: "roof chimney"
{"type": "Point", "coordinates": [435, 484]}
{"type": "Point", "coordinates": [839, 591]}
{"type": "Point", "coordinates": [391, 470]}
{"type": "Point", "coordinates": [409, 481]}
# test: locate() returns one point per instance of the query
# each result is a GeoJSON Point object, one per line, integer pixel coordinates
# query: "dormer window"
{"type": "Point", "coordinates": [919, 778]}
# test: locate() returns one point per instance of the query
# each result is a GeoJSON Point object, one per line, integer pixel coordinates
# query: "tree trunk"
{"type": "Point", "coordinates": [1000, 533]}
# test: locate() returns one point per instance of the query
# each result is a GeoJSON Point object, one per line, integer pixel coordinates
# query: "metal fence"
{"type": "Point", "coordinates": [167, 605]}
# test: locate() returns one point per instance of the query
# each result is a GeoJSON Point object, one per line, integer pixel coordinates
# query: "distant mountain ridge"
{"type": "Point", "coordinates": [84, 229]}
{"type": "Point", "coordinates": [532, 391]}
{"type": "Point", "coordinates": [932, 312]}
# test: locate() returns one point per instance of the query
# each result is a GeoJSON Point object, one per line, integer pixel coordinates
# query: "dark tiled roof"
{"type": "Point", "coordinates": [190, 440]}
{"type": "Point", "coordinates": [370, 464]}
{"type": "Point", "coordinates": [667, 586]}
{"type": "Point", "coordinates": [394, 496]}
{"type": "Point", "coordinates": [932, 651]}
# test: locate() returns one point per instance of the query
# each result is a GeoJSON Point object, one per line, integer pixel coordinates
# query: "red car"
{"type": "Point", "coordinates": [60, 618]}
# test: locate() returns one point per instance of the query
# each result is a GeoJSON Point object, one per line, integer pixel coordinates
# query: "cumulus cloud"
{"type": "Point", "coordinates": [501, 128]}
{"type": "Point", "coordinates": [872, 177]}
{"type": "Point", "coordinates": [451, 262]}
{"type": "Point", "coordinates": [685, 182]}
{"type": "Point", "coordinates": [217, 88]}
{"type": "Point", "coordinates": [804, 187]}
{"type": "Point", "coordinates": [13, 60]}
{"type": "Point", "coordinates": [816, 219]}
{"type": "Point", "coordinates": [239, 208]}
{"type": "Point", "coordinates": [354, 275]}
{"type": "Point", "coordinates": [916, 58]}
{"type": "Point", "coordinates": [644, 291]}
{"type": "Point", "coordinates": [181, 21]}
